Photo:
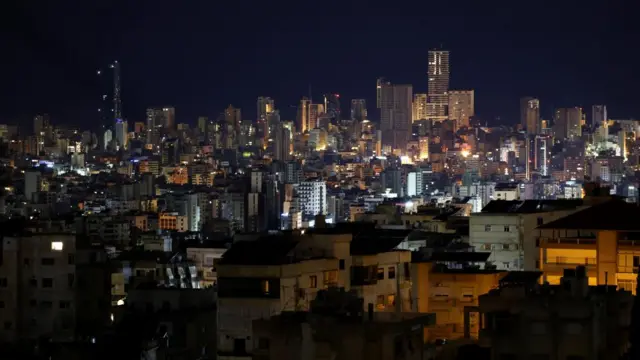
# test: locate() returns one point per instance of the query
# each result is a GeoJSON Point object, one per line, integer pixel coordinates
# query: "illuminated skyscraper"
{"type": "Point", "coordinates": [461, 107]}
{"type": "Point", "coordinates": [159, 120]}
{"type": "Point", "coordinates": [567, 123]}
{"type": "Point", "coordinates": [303, 115]}
{"type": "Point", "coordinates": [395, 115]}
{"type": "Point", "coordinates": [265, 106]}
{"type": "Point", "coordinates": [419, 107]}
{"type": "Point", "coordinates": [542, 154]}
{"type": "Point", "coordinates": [530, 115]}
{"type": "Point", "coordinates": [438, 85]}
{"type": "Point", "coordinates": [358, 109]}
{"type": "Point", "coordinates": [315, 111]}
{"type": "Point", "coordinates": [122, 133]}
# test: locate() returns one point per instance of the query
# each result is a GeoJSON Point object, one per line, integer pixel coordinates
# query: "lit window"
{"type": "Point", "coordinates": [265, 286]}
{"type": "Point", "coordinates": [313, 281]}
{"type": "Point", "coordinates": [56, 245]}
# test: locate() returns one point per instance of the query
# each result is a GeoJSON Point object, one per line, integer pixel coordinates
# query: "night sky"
{"type": "Point", "coordinates": [202, 55]}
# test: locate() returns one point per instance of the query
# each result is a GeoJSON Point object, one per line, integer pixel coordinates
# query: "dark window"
{"type": "Point", "coordinates": [636, 261]}
{"type": "Point", "coordinates": [407, 272]}
{"type": "Point", "coordinates": [47, 283]}
{"type": "Point", "coordinates": [380, 274]}
{"type": "Point", "coordinates": [392, 272]}
{"type": "Point", "coordinates": [1, 304]}
{"type": "Point", "coordinates": [46, 304]}
{"type": "Point", "coordinates": [65, 304]}
{"type": "Point", "coordinates": [166, 306]}
{"type": "Point", "coordinates": [506, 229]}
{"type": "Point", "coordinates": [33, 303]}
{"type": "Point", "coordinates": [47, 261]}
{"type": "Point", "coordinates": [71, 279]}
{"type": "Point", "coordinates": [540, 221]}
{"type": "Point", "coordinates": [33, 282]}
{"type": "Point", "coordinates": [72, 259]}
{"type": "Point", "coordinates": [341, 264]}
{"type": "Point", "coordinates": [239, 346]}
{"type": "Point", "coordinates": [26, 261]}
{"type": "Point", "coordinates": [3, 282]}
{"type": "Point", "coordinates": [7, 325]}
{"type": "Point", "coordinates": [398, 347]}
{"type": "Point", "coordinates": [537, 242]}
{"type": "Point", "coordinates": [263, 344]}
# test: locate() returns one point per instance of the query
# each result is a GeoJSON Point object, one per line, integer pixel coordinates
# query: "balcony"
{"type": "Point", "coordinates": [629, 243]}
{"type": "Point", "coordinates": [565, 242]}
{"type": "Point", "coordinates": [628, 269]}
{"type": "Point", "coordinates": [573, 261]}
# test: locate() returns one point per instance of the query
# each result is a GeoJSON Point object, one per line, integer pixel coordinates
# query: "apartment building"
{"type": "Point", "coordinates": [37, 287]}
{"type": "Point", "coordinates": [507, 229]}
{"type": "Point", "coordinates": [604, 238]}
{"type": "Point", "coordinates": [205, 257]}
{"type": "Point", "coordinates": [523, 319]}
{"type": "Point", "coordinates": [445, 283]}
{"type": "Point", "coordinates": [338, 328]}
{"type": "Point", "coordinates": [261, 278]}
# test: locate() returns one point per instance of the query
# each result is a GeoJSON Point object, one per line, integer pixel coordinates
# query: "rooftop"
{"type": "Point", "coordinates": [529, 206]}
{"type": "Point", "coordinates": [610, 215]}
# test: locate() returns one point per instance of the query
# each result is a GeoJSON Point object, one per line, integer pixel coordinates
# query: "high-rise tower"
{"type": "Point", "coordinates": [379, 83]}
{"type": "Point", "coordinates": [110, 109]}
{"type": "Point", "coordinates": [530, 115]}
{"type": "Point", "coordinates": [438, 85]}
{"type": "Point", "coordinates": [117, 100]}
{"type": "Point", "coordinates": [598, 115]}
{"type": "Point", "coordinates": [303, 115]}
{"type": "Point", "coordinates": [358, 109]}
{"type": "Point", "coordinates": [395, 115]}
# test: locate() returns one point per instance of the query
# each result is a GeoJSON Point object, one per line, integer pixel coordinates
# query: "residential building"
{"type": "Point", "coordinates": [604, 238]}
{"type": "Point", "coordinates": [445, 283]}
{"type": "Point", "coordinates": [334, 321]}
{"type": "Point", "coordinates": [261, 278]}
{"type": "Point", "coordinates": [523, 319]}
{"type": "Point", "coordinates": [313, 197]}
{"type": "Point", "coordinates": [38, 287]}
{"type": "Point", "coordinates": [507, 229]}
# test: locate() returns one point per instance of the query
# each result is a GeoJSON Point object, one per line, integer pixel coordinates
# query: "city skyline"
{"type": "Point", "coordinates": [205, 85]}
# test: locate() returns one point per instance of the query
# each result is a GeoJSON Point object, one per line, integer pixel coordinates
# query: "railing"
{"type": "Point", "coordinates": [561, 260]}
{"type": "Point", "coordinates": [570, 241]}
{"type": "Point", "coordinates": [627, 269]}
{"type": "Point", "coordinates": [629, 242]}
